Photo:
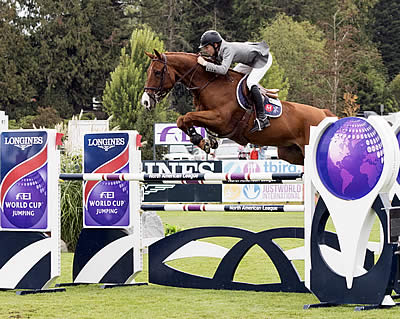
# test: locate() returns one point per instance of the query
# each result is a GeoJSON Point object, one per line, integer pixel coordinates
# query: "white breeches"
{"type": "Point", "coordinates": [255, 74]}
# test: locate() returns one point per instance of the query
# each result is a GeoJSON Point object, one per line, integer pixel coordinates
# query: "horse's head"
{"type": "Point", "coordinates": [160, 80]}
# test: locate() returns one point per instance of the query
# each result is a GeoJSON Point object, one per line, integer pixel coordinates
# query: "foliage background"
{"type": "Point", "coordinates": [56, 57]}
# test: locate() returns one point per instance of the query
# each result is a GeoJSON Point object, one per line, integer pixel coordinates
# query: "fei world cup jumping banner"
{"type": "Point", "coordinates": [109, 203]}
{"type": "Point", "coordinates": [29, 208]}
{"type": "Point", "coordinates": [290, 192]}
{"type": "Point", "coordinates": [24, 180]}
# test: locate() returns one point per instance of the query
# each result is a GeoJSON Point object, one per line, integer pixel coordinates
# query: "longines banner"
{"type": "Point", "coordinates": [182, 193]}
{"type": "Point", "coordinates": [262, 192]}
{"type": "Point", "coordinates": [169, 133]}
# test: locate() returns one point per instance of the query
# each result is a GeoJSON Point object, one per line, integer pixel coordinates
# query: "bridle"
{"type": "Point", "coordinates": [160, 92]}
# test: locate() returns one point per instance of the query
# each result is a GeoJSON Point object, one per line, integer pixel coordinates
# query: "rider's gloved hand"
{"type": "Point", "coordinates": [201, 61]}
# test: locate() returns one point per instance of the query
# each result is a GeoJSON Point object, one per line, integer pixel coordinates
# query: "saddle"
{"type": "Point", "coordinates": [273, 108]}
{"type": "Point", "coordinates": [272, 105]}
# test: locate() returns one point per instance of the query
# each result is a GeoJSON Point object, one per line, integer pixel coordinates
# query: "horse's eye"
{"type": "Point", "coordinates": [157, 73]}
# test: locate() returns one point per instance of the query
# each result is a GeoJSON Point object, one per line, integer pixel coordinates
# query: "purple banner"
{"type": "Point", "coordinates": [106, 203]}
{"type": "Point", "coordinates": [24, 180]}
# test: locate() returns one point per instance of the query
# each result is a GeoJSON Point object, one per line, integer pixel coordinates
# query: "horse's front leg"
{"type": "Point", "coordinates": [195, 137]}
{"type": "Point", "coordinates": [204, 119]}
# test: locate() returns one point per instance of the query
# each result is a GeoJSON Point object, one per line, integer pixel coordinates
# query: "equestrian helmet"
{"type": "Point", "coordinates": [209, 37]}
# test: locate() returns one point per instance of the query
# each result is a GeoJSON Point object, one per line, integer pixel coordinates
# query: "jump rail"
{"type": "Point", "coordinates": [222, 208]}
{"type": "Point", "coordinates": [182, 178]}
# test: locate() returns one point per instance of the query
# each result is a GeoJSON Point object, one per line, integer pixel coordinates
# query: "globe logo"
{"type": "Point", "coordinates": [350, 158]}
{"type": "Point", "coordinates": [109, 211]}
{"type": "Point", "coordinates": [27, 211]}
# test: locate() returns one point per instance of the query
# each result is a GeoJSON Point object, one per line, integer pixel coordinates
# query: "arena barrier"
{"type": "Point", "coordinates": [340, 267]}
{"type": "Point", "coordinates": [353, 164]}
{"type": "Point", "coordinates": [30, 210]}
{"type": "Point", "coordinates": [109, 248]}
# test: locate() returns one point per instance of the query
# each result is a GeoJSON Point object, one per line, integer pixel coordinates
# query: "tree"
{"type": "Point", "coordinates": [122, 94]}
{"type": "Point", "coordinates": [386, 32]}
{"type": "Point", "coordinates": [16, 90]}
{"type": "Point", "coordinates": [180, 23]}
{"type": "Point", "coordinates": [298, 49]}
{"type": "Point", "coordinates": [275, 79]}
{"type": "Point", "coordinates": [77, 45]}
{"type": "Point", "coordinates": [395, 90]}
{"type": "Point", "coordinates": [354, 64]}
{"type": "Point", "coordinates": [369, 82]}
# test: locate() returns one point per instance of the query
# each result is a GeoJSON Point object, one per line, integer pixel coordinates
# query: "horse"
{"type": "Point", "coordinates": [217, 109]}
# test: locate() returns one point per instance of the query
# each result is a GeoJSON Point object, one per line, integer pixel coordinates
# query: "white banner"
{"type": "Point", "coordinates": [262, 192]}
{"type": "Point", "coordinates": [169, 133]}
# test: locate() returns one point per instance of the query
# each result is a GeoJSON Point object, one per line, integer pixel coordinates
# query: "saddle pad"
{"type": "Point", "coordinates": [273, 107]}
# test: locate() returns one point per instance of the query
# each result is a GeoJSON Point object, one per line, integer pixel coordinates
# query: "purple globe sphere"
{"type": "Point", "coordinates": [26, 202]}
{"type": "Point", "coordinates": [350, 158]}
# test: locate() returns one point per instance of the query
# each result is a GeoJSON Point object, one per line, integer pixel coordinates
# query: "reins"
{"type": "Point", "coordinates": [160, 92]}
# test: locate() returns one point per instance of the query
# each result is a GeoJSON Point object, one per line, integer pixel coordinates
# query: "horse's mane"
{"type": "Point", "coordinates": [194, 56]}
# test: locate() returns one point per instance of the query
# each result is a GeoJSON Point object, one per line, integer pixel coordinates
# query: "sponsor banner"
{"type": "Point", "coordinates": [24, 180]}
{"type": "Point", "coordinates": [106, 203]}
{"type": "Point", "coordinates": [262, 192]}
{"type": "Point", "coordinates": [182, 193]}
{"type": "Point", "coordinates": [169, 133]}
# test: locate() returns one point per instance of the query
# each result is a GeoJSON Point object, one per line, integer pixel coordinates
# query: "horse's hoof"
{"type": "Point", "coordinates": [213, 143]}
{"type": "Point", "coordinates": [205, 146]}
{"type": "Point", "coordinates": [196, 139]}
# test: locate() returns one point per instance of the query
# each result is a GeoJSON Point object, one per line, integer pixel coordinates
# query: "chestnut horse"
{"type": "Point", "coordinates": [218, 111]}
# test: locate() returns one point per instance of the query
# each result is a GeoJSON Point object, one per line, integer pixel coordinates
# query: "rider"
{"type": "Point", "coordinates": [254, 59]}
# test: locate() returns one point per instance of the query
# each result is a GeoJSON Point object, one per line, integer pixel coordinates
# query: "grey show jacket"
{"type": "Point", "coordinates": [254, 54]}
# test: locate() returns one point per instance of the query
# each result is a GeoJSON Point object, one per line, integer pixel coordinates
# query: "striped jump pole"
{"type": "Point", "coordinates": [222, 208]}
{"type": "Point", "coordinates": [200, 178]}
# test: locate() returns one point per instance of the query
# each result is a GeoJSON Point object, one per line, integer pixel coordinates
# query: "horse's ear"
{"type": "Point", "coordinates": [158, 54]}
{"type": "Point", "coordinates": [150, 55]}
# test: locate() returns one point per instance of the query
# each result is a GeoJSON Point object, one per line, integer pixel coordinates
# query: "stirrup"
{"type": "Point", "coordinates": [259, 125]}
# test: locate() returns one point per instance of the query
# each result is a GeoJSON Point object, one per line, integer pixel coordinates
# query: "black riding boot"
{"type": "Point", "coordinates": [261, 120]}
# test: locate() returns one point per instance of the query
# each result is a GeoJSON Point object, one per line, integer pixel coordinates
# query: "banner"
{"type": "Point", "coordinates": [262, 192]}
{"type": "Point", "coordinates": [106, 203]}
{"type": "Point", "coordinates": [24, 180]}
{"type": "Point", "coordinates": [182, 193]}
{"type": "Point", "coordinates": [169, 133]}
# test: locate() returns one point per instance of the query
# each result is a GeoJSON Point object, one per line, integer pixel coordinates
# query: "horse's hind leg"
{"type": "Point", "coordinates": [292, 154]}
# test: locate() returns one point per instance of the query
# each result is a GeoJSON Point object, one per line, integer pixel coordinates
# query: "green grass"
{"type": "Point", "coordinates": [155, 301]}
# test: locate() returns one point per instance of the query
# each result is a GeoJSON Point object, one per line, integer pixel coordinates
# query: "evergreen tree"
{"type": "Point", "coordinates": [354, 64]}
{"type": "Point", "coordinates": [16, 66]}
{"type": "Point", "coordinates": [395, 91]}
{"type": "Point", "coordinates": [183, 21]}
{"type": "Point", "coordinates": [386, 33]}
{"type": "Point", "coordinates": [122, 94]}
{"type": "Point", "coordinates": [77, 45]}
